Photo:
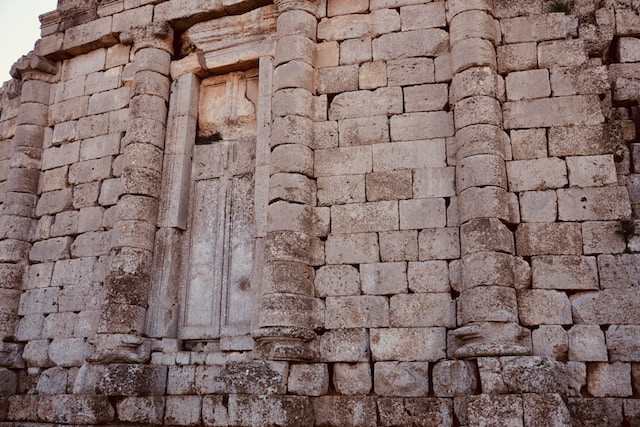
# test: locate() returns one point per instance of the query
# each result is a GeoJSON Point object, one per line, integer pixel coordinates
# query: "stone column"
{"type": "Point", "coordinates": [17, 217]}
{"type": "Point", "coordinates": [488, 306]}
{"type": "Point", "coordinates": [288, 310]}
{"type": "Point", "coordinates": [122, 322]}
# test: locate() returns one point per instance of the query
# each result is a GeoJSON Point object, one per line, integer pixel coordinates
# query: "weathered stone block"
{"type": "Point", "coordinates": [409, 154]}
{"type": "Point", "coordinates": [183, 410]}
{"type": "Point", "coordinates": [537, 307]}
{"type": "Point", "coordinates": [359, 25]}
{"type": "Point", "coordinates": [569, 110]}
{"type": "Point", "coordinates": [363, 131]}
{"type": "Point", "coordinates": [408, 379]}
{"type": "Point", "coordinates": [439, 243]}
{"type": "Point", "coordinates": [53, 202]}
{"type": "Point", "coordinates": [564, 272]}
{"type": "Point", "coordinates": [345, 345]}
{"type": "Point", "coordinates": [343, 161]}
{"type": "Point", "coordinates": [147, 410]}
{"type": "Point", "coordinates": [364, 217]}
{"type": "Point", "coordinates": [410, 71]}
{"type": "Point", "coordinates": [428, 276]}
{"type": "Point", "coordinates": [598, 307]}
{"type": "Point", "coordinates": [383, 278]}
{"type": "Point", "coordinates": [551, 341]}
{"type": "Point", "coordinates": [528, 85]}
{"type": "Point", "coordinates": [538, 206]}
{"type": "Point", "coordinates": [422, 310]}
{"type": "Point", "coordinates": [352, 379]}
{"type": "Point", "coordinates": [587, 344]}
{"type": "Point", "coordinates": [399, 344]}
{"type": "Point", "coordinates": [488, 303]}
{"type": "Point", "coordinates": [69, 352]}
{"type": "Point", "coordinates": [549, 238]}
{"type": "Point", "coordinates": [487, 409]}
{"type": "Point", "coordinates": [309, 379]}
{"type": "Point", "coordinates": [365, 103]}
{"type": "Point", "coordinates": [545, 409]}
{"type": "Point", "coordinates": [415, 411]}
{"type": "Point", "coordinates": [517, 57]}
{"type": "Point", "coordinates": [388, 185]}
{"type": "Point", "coordinates": [609, 380]}
{"type": "Point", "coordinates": [593, 204]}
{"type": "Point", "coordinates": [345, 411]}
{"type": "Point", "coordinates": [424, 42]}
{"type": "Point", "coordinates": [454, 378]}
{"type": "Point", "coordinates": [619, 271]}
{"type": "Point", "coordinates": [352, 248]}
{"type": "Point", "coordinates": [373, 75]}
{"type": "Point", "coordinates": [538, 174]}
{"type": "Point", "coordinates": [428, 97]}
{"type": "Point", "coordinates": [357, 312]}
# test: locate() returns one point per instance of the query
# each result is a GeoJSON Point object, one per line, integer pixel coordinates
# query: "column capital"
{"type": "Point", "coordinates": [156, 35]}
{"type": "Point", "coordinates": [310, 6]}
{"type": "Point", "coordinates": [33, 67]}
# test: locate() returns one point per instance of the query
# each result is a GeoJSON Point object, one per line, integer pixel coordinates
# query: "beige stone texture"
{"type": "Point", "coordinates": [359, 25]}
{"type": "Point", "coordinates": [356, 51]}
{"type": "Point", "coordinates": [537, 174]}
{"type": "Point", "coordinates": [423, 42]}
{"type": "Point", "coordinates": [551, 341]}
{"type": "Point", "coordinates": [409, 154]}
{"type": "Point", "coordinates": [372, 75]}
{"type": "Point", "coordinates": [396, 344]}
{"type": "Point", "coordinates": [388, 185]}
{"type": "Point", "coordinates": [422, 310]}
{"type": "Point", "coordinates": [528, 84]}
{"type": "Point", "coordinates": [619, 271]}
{"type": "Point", "coordinates": [357, 312]}
{"type": "Point", "coordinates": [428, 276]}
{"type": "Point", "coordinates": [366, 103]}
{"type": "Point", "coordinates": [341, 189]}
{"type": "Point", "coordinates": [538, 206]}
{"type": "Point", "coordinates": [578, 141]}
{"type": "Point", "coordinates": [345, 410]}
{"type": "Point", "coordinates": [352, 379]}
{"type": "Point", "coordinates": [434, 182]}
{"type": "Point", "coordinates": [610, 379]}
{"type": "Point", "coordinates": [364, 217]}
{"type": "Point", "coordinates": [594, 308]}
{"type": "Point", "coordinates": [345, 345]}
{"type": "Point", "coordinates": [569, 110]}
{"type": "Point", "coordinates": [439, 243]}
{"type": "Point", "coordinates": [398, 245]}
{"type": "Point", "coordinates": [595, 203]}
{"type": "Point", "coordinates": [363, 131]}
{"type": "Point", "coordinates": [410, 71]}
{"type": "Point", "coordinates": [385, 278]}
{"type": "Point", "coordinates": [517, 57]}
{"type": "Point", "coordinates": [538, 28]}
{"type": "Point", "coordinates": [409, 379]}
{"type": "Point", "coordinates": [579, 80]}
{"type": "Point", "coordinates": [537, 306]}
{"type": "Point", "coordinates": [308, 379]}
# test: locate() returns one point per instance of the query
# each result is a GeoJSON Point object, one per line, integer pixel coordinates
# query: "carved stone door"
{"type": "Point", "coordinates": [219, 289]}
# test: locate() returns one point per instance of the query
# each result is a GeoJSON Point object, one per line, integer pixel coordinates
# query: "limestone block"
{"type": "Point", "coordinates": [64, 132]}
{"type": "Point", "coordinates": [409, 154]}
{"type": "Point", "coordinates": [470, 53]}
{"type": "Point", "coordinates": [325, 134]}
{"type": "Point", "coordinates": [625, 89]}
{"type": "Point", "coordinates": [355, 51]}
{"type": "Point", "coordinates": [410, 71]}
{"type": "Point", "coordinates": [454, 378]}
{"type": "Point", "coordinates": [478, 110]}
{"type": "Point", "coordinates": [428, 276]}
{"type": "Point", "coordinates": [430, 15]}
{"type": "Point", "coordinates": [537, 307]}
{"type": "Point", "coordinates": [36, 353]}
{"type": "Point", "coordinates": [52, 381]}
{"type": "Point", "coordinates": [629, 49]}
{"type": "Point", "coordinates": [422, 213]}
{"type": "Point", "coordinates": [591, 171]}
{"type": "Point", "coordinates": [398, 246]}
{"type": "Point", "coordinates": [415, 411]}
{"type": "Point", "coordinates": [383, 278]}
{"type": "Point", "coordinates": [623, 343]}
{"type": "Point", "coordinates": [372, 75]}
{"type": "Point", "coordinates": [423, 42]}
{"type": "Point", "coordinates": [65, 154]}
{"type": "Point", "coordinates": [363, 131]}
{"type": "Point", "coordinates": [309, 379]}
{"type": "Point", "coordinates": [564, 272]}
{"type": "Point", "coordinates": [333, 190]}
{"type": "Point", "coordinates": [359, 25]}
{"type": "Point", "coordinates": [147, 410]}
{"type": "Point", "coordinates": [364, 103]}
{"type": "Point", "coordinates": [537, 174]}
{"type": "Point", "coordinates": [352, 379]}
{"type": "Point", "coordinates": [364, 217]}
{"type": "Point", "coordinates": [94, 243]}
{"type": "Point", "coordinates": [336, 79]}
{"type": "Point", "coordinates": [434, 182]}
{"type": "Point", "coordinates": [587, 344]}
{"type": "Point", "coordinates": [610, 380]}
{"type": "Point", "coordinates": [439, 243]}
{"type": "Point", "coordinates": [345, 7]}
{"type": "Point", "coordinates": [428, 97]}
{"type": "Point", "coordinates": [619, 271]}
{"type": "Point", "coordinates": [343, 161]}
{"type": "Point", "coordinates": [90, 219]}
{"type": "Point", "coordinates": [551, 341]}
{"type": "Point", "coordinates": [345, 411]}
{"type": "Point", "coordinates": [539, 28]}
{"type": "Point", "coordinates": [68, 352]}
{"type": "Point", "coordinates": [485, 409]}
{"type": "Point", "coordinates": [365, 311]}
{"type": "Point", "coordinates": [580, 80]}
{"type": "Point", "coordinates": [597, 203]}
{"type": "Point", "coordinates": [480, 171]}
{"type": "Point", "coordinates": [568, 110]}
{"type": "Point", "coordinates": [474, 24]}
{"type": "Point", "coordinates": [545, 409]}
{"type": "Point", "coordinates": [562, 53]}
{"type": "Point", "coordinates": [477, 81]}
{"type": "Point", "coordinates": [388, 185]}
{"type": "Point", "coordinates": [604, 237]}
{"type": "Point", "coordinates": [292, 102]}
{"type": "Point", "coordinates": [409, 379]}
{"type": "Point", "coordinates": [272, 410]}
{"type": "Point", "coordinates": [484, 202]}
{"type": "Point", "coordinates": [528, 84]}
{"type": "Point", "coordinates": [65, 223]}
{"type": "Point", "coordinates": [110, 191]}
{"type": "Point", "coordinates": [488, 303]}
{"type": "Point", "coordinates": [517, 57]}
{"type": "Point", "coordinates": [81, 297]}
{"type": "Point", "coordinates": [30, 327]}
{"type": "Point", "coordinates": [183, 410]}
{"type": "Point", "coordinates": [549, 239]}
{"type": "Point", "coordinates": [595, 411]}
{"type": "Point", "coordinates": [599, 308]}
{"type": "Point", "coordinates": [344, 345]}
{"type": "Point", "coordinates": [8, 382]}
{"type": "Point", "coordinates": [421, 125]}
{"type": "Point", "coordinates": [337, 280]}
{"type": "Point", "coordinates": [50, 249]}
{"type": "Point", "coordinates": [12, 276]}
{"type": "Point", "coordinates": [444, 67]}
{"type": "Point", "coordinates": [538, 206]}
{"type": "Point", "coordinates": [487, 269]}
{"type": "Point", "coordinates": [422, 310]}
{"type": "Point", "coordinates": [398, 344]}
{"type": "Point", "coordinates": [53, 179]}
{"type": "Point", "coordinates": [578, 141]}
{"type": "Point", "coordinates": [21, 204]}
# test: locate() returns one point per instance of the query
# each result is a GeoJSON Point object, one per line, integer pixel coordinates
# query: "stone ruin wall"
{"type": "Point", "coordinates": [341, 213]}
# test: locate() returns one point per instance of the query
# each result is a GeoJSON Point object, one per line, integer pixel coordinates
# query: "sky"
{"type": "Point", "coordinates": [19, 29]}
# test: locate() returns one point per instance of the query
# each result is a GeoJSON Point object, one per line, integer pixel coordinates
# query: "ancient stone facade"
{"type": "Point", "coordinates": [323, 212]}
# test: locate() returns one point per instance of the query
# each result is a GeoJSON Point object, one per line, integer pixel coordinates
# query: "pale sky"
{"type": "Point", "coordinates": [19, 29]}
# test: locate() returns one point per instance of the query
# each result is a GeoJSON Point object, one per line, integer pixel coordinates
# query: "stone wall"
{"type": "Point", "coordinates": [323, 212]}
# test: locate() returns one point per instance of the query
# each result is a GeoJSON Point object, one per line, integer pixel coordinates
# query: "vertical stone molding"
{"type": "Point", "coordinates": [488, 308]}
{"type": "Point", "coordinates": [288, 310]}
{"type": "Point", "coordinates": [17, 218]}
{"type": "Point", "coordinates": [128, 282]}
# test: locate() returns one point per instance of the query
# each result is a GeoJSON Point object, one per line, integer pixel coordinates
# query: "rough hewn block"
{"type": "Point", "coordinates": [568, 110]}
{"type": "Point", "coordinates": [398, 344]}
{"type": "Point", "coordinates": [357, 312]}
